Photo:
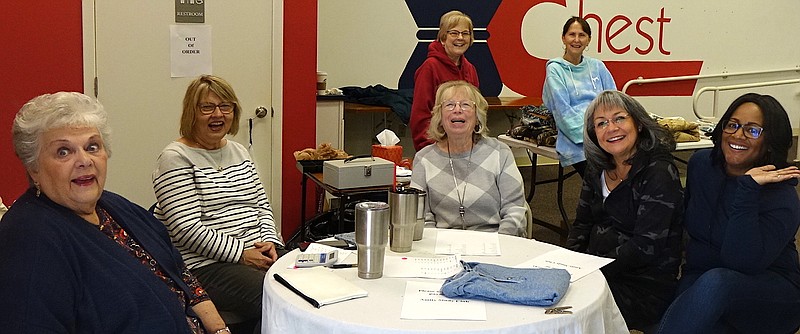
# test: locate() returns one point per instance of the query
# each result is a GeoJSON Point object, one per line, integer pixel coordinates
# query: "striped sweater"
{"type": "Point", "coordinates": [212, 202]}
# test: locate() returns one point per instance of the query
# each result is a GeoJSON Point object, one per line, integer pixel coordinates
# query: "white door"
{"type": "Point", "coordinates": [131, 40]}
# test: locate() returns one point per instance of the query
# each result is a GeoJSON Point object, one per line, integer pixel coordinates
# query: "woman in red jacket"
{"type": "Point", "coordinates": [445, 62]}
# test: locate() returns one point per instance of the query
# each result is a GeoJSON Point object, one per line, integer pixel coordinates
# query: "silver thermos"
{"type": "Point", "coordinates": [403, 206]}
{"type": "Point", "coordinates": [372, 226]}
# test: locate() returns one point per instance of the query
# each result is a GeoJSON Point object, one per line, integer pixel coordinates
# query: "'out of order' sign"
{"type": "Point", "coordinates": [190, 50]}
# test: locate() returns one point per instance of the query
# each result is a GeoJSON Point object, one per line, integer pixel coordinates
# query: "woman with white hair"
{"type": "Point", "coordinates": [77, 258]}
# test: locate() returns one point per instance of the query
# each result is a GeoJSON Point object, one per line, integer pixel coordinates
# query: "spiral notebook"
{"type": "Point", "coordinates": [319, 286]}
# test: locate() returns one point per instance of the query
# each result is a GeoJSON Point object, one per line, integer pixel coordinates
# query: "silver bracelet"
{"type": "Point", "coordinates": [224, 330]}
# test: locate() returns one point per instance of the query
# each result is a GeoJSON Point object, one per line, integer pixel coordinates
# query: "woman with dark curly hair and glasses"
{"type": "Point", "coordinates": [742, 214]}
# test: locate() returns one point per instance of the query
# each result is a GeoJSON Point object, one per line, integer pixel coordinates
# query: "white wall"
{"type": "Point", "coordinates": [366, 42]}
{"type": "Point", "coordinates": [144, 101]}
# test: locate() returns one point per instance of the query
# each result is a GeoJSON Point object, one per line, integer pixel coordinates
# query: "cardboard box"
{"type": "Point", "coordinates": [358, 173]}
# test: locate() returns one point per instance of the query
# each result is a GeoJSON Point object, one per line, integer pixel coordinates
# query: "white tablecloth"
{"type": "Point", "coordinates": [593, 306]}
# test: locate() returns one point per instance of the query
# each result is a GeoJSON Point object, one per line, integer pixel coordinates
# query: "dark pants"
{"type": "Point", "coordinates": [641, 300]}
{"type": "Point", "coordinates": [722, 300]}
{"type": "Point", "coordinates": [234, 288]}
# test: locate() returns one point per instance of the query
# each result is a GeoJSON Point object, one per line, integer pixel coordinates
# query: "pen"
{"type": "Point", "coordinates": [286, 283]}
{"type": "Point", "coordinates": [341, 266]}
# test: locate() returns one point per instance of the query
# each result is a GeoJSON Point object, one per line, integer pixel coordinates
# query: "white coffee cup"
{"type": "Point", "coordinates": [322, 82]}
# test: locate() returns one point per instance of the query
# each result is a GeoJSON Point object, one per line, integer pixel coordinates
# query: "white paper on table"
{"type": "Point", "coordinates": [424, 301]}
{"type": "Point", "coordinates": [467, 242]}
{"type": "Point", "coordinates": [344, 256]}
{"type": "Point", "coordinates": [577, 264]}
{"type": "Point", "coordinates": [319, 286]}
{"type": "Point", "coordinates": [422, 267]}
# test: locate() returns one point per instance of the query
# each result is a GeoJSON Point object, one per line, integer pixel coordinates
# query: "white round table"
{"type": "Point", "coordinates": [593, 306]}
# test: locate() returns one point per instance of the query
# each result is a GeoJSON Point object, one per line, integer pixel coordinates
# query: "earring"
{"type": "Point", "coordinates": [38, 191]}
{"type": "Point", "coordinates": [478, 128]}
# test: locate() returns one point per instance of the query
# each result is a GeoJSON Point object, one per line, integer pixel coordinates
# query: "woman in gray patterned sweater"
{"type": "Point", "coordinates": [471, 180]}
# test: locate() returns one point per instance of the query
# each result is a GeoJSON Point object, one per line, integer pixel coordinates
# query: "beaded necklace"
{"type": "Point", "coordinates": [461, 195]}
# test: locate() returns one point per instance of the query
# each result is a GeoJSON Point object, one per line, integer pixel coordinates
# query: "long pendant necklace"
{"type": "Point", "coordinates": [461, 195]}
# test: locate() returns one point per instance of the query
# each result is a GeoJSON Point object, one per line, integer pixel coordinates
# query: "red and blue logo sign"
{"type": "Point", "coordinates": [500, 57]}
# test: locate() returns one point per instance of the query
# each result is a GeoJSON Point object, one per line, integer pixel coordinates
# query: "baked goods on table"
{"type": "Point", "coordinates": [324, 152]}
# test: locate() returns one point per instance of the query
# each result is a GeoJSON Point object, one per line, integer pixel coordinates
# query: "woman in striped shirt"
{"type": "Point", "coordinates": [213, 203]}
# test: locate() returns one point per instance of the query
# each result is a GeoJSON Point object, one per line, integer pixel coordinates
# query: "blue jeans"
{"type": "Point", "coordinates": [723, 300]}
{"type": "Point", "coordinates": [537, 287]}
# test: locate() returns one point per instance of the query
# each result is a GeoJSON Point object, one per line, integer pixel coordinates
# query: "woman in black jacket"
{"type": "Point", "coordinates": [631, 206]}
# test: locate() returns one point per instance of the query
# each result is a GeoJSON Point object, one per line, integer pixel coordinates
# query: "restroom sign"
{"type": "Point", "coordinates": [190, 11]}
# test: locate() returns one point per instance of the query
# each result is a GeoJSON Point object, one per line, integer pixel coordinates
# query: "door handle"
{"type": "Point", "coordinates": [261, 111]}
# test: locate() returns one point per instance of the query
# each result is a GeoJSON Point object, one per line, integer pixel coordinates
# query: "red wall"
{"type": "Point", "coordinates": [42, 53]}
{"type": "Point", "coordinates": [42, 44]}
{"type": "Point", "coordinates": [299, 101]}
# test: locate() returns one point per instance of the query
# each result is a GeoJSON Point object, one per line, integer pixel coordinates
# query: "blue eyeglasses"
{"type": "Point", "coordinates": [750, 131]}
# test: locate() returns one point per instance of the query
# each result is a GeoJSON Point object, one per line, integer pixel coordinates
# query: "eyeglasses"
{"type": "Point", "coordinates": [602, 125]}
{"type": "Point", "coordinates": [464, 105]}
{"type": "Point", "coordinates": [456, 33]}
{"type": "Point", "coordinates": [750, 131]}
{"type": "Point", "coordinates": [208, 108]}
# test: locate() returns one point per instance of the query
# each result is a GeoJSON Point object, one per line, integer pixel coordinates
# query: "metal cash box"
{"type": "Point", "coordinates": [358, 172]}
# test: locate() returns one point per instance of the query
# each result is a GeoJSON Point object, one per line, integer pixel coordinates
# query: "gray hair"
{"type": "Point", "coordinates": [51, 111]}
{"type": "Point", "coordinates": [445, 91]}
{"type": "Point", "coordinates": [651, 137]}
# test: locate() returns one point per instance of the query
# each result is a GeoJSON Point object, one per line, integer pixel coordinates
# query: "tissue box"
{"type": "Point", "coordinates": [393, 153]}
{"type": "Point", "coordinates": [358, 173]}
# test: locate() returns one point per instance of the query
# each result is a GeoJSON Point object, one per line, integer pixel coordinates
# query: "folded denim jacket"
{"type": "Point", "coordinates": [536, 287]}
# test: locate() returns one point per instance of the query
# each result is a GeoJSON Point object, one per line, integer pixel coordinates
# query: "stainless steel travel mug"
{"type": "Point", "coordinates": [419, 226]}
{"type": "Point", "coordinates": [403, 206]}
{"type": "Point", "coordinates": [372, 226]}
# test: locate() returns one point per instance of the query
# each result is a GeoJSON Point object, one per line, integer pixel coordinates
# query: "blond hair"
{"type": "Point", "coordinates": [196, 91]}
{"type": "Point", "coordinates": [445, 91]}
{"type": "Point", "coordinates": [450, 20]}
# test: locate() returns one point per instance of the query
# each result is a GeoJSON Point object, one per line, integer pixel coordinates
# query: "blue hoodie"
{"type": "Point", "coordinates": [568, 90]}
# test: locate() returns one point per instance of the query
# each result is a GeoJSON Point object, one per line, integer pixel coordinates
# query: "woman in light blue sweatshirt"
{"type": "Point", "coordinates": [572, 82]}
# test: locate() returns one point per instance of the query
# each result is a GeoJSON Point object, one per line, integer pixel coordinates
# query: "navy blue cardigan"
{"type": "Point", "coordinates": [735, 223]}
{"type": "Point", "coordinates": [60, 274]}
